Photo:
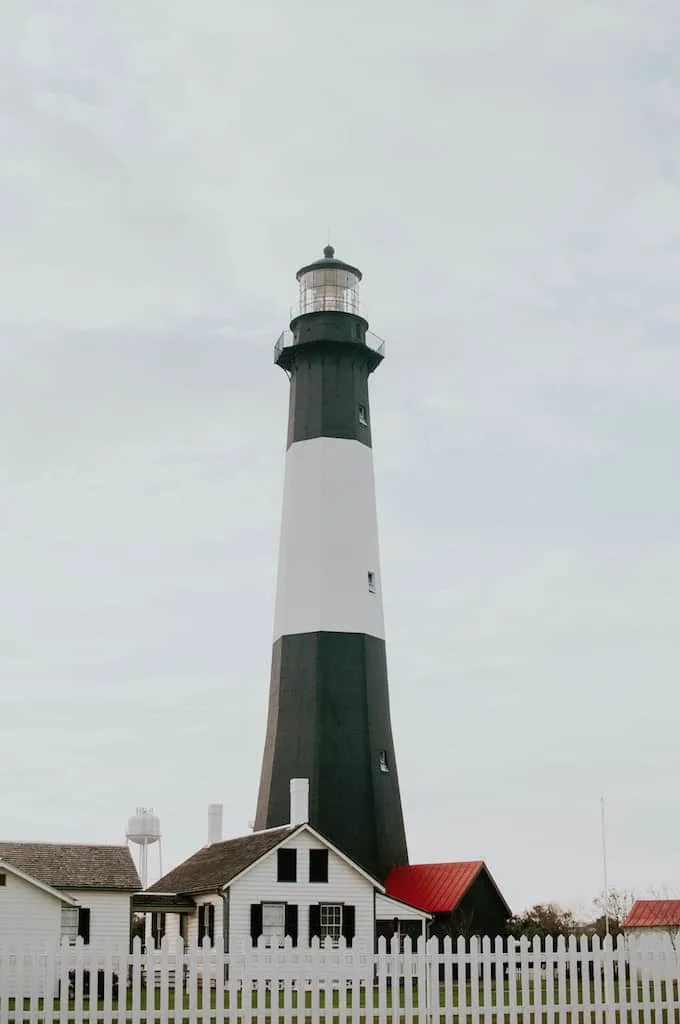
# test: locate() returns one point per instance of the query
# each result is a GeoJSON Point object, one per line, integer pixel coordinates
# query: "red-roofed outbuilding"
{"type": "Point", "coordinates": [462, 896]}
{"type": "Point", "coordinates": [646, 914]}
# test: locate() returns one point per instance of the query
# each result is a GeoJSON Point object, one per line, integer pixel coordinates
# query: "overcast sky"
{"type": "Point", "coordinates": [505, 173]}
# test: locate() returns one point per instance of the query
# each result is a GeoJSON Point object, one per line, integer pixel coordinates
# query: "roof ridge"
{"type": "Point", "coordinates": [215, 864]}
{"type": "Point", "coordinates": [436, 864]}
{"type": "Point", "coordinates": [48, 842]}
{"type": "Point", "coordinates": [254, 832]}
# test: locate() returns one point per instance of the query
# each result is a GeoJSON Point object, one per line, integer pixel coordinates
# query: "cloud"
{"type": "Point", "coordinates": [507, 180]}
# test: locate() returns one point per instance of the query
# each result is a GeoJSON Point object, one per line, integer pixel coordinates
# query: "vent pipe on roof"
{"type": "Point", "coordinates": [299, 801]}
{"type": "Point", "coordinates": [214, 823]}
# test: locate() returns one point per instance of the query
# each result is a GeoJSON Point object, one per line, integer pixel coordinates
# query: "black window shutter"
{"type": "Point", "coordinates": [255, 922]}
{"type": "Point", "coordinates": [314, 921]}
{"type": "Point", "coordinates": [84, 924]}
{"type": "Point", "coordinates": [201, 923]}
{"type": "Point", "coordinates": [348, 924]}
{"type": "Point", "coordinates": [292, 922]}
{"type": "Point", "coordinates": [210, 927]}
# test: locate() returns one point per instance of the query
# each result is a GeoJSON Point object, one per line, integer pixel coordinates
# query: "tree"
{"type": "Point", "coordinates": [543, 919]}
{"type": "Point", "coordinates": [614, 906]}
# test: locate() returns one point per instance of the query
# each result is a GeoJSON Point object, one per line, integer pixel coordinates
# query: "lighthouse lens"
{"type": "Point", "coordinates": [329, 288]}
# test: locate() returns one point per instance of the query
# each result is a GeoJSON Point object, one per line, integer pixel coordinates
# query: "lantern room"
{"type": "Point", "coordinates": [328, 284]}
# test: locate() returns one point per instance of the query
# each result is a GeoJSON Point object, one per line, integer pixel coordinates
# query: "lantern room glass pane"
{"type": "Point", "coordinates": [329, 288]}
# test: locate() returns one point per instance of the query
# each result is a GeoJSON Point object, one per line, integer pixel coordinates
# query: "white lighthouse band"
{"type": "Point", "coordinates": [329, 565]}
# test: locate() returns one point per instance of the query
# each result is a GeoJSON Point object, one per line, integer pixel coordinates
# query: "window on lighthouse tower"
{"type": "Point", "coordinates": [363, 416]}
{"type": "Point", "coordinates": [371, 582]}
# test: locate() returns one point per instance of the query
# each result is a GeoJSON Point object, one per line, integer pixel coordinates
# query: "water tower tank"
{"type": "Point", "coordinates": [144, 828]}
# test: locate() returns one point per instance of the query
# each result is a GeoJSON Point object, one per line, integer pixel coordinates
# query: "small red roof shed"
{"type": "Point", "coordinates": [653, 914]}
{"type": "Point", "coordinates": [461, 895]}
{"type": "Point", "coordinates": [437, 888]}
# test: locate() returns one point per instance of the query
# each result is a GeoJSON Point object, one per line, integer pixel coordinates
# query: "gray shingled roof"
{"type": "Point", "coordinates": [74, 866]}
{"type": "Point", "coordinates": [215, 865]}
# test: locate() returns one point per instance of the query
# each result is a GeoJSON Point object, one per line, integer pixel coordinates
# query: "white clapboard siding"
{"type": "Point", "coordinates": [259, 885]}
{"type": "Point", "coordinates": [28, 913]}
{"type": "Point", "coordinates": [109, 914]}
{"type": "Point", "coordinates": [632, 981]}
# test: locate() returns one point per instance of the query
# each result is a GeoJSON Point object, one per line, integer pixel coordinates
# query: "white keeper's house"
{"type": "Point", "coordinates": [266, 885]}
{"type": "Point", "coordinates": [55, 891]}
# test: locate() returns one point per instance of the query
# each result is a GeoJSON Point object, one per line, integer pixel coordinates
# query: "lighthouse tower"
{"type": "Point", "coordinates": [329, 714]}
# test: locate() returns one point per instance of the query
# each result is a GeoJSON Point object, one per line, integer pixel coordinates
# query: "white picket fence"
{"type": "Point", "coordinates": [497, 981]}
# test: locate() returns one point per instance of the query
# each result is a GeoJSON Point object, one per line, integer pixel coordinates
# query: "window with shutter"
{"type": "Point", "coordinates": [274, 923]}
{"type": "Point", "coordinates": [330, 920]}
{"type": "Point", "coordinates": [69, 924]}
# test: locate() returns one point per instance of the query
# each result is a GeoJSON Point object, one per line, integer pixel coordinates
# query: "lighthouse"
{"type": "Point", "coordinates": [329, 711]}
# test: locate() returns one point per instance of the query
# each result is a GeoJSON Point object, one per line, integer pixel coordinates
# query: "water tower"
{"type": "Point", "coordinates": [144, 829]}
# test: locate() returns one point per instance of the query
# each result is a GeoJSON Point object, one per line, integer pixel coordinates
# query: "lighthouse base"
{"type": "Point", "coordinates": [329, 722]}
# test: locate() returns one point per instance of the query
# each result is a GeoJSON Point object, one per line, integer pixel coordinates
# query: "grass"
{"type": "Point", "coordinates": [341, 1001]}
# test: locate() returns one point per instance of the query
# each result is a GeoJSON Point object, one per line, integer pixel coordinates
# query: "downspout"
{"type": "Point", "coordinates": [225, 917]}
{"type": "Point", "coordinates": [225, 932]}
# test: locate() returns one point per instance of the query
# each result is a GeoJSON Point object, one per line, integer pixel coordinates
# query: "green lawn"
{"type": "Point", "coordinates": [341, 1000]}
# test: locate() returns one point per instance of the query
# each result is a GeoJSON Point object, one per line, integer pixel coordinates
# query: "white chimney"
{"type": "Point", "coordinates": [214, 823]}
{"type": "Point", "coordinates": [299, 801]}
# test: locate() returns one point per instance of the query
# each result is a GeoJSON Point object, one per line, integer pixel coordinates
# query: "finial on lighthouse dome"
{"type": "Point", "coordinates": [329, 252]}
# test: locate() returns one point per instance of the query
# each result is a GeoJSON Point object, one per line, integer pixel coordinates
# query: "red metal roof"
{"type": "Point", "coordinates": [653, 914]}
{"type": "Point", "coordinates": [434, 887]}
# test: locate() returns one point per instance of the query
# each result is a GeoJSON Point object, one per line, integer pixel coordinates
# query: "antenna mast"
{"type": "Point", "coordinates": [604, 868]}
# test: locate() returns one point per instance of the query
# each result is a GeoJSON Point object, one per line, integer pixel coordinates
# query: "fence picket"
{"type": "Point", "coordinates": [380, 975]}
{"type": "Point", "coordinates": [135, 982]}
{"type": "Point", "coordinates": [608, 974]}
{"type": "Point", "coordinates": [50, 983]}
{"type": "Point", "coordinates": [524, 987]}
{"type": "Point", "coordinates": [232, 988]}
{"type": "Point", "coordinates": [512, 949]}
{"type": "Point", "coordinates": [78, 975]}
{"type": "Point", "coordinates": [535, 985]}
{"type": "Point", "coordinates": [442, 964]}
{"type": "Point", "coordinates": [597, 1002]}
{"type": "Point", "coordinates": [63, 990]}
{"type": "Point", "coordinates": [657, 973]}
{"type": "Point", "coordinates": [549, 978]}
